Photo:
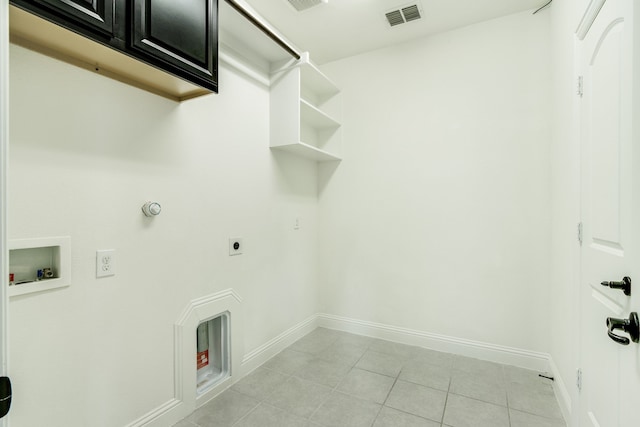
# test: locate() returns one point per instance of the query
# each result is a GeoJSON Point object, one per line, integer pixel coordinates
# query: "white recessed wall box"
{"type": "Point", "coordinates": [37, 265]}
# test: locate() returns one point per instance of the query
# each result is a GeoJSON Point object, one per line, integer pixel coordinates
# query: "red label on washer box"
{"type": "Point", "coordinates": [203, 359]}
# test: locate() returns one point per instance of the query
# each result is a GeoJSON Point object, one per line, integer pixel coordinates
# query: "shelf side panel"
{"type": "Point", "coordinates": [285, 108]}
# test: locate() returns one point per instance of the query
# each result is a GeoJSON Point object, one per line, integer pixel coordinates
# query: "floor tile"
{"type": "Point", "coordinates": [260, 383]}
{"type": "Point", "coordinates": [464, 412]}
{"type": "Point", "coordinates": [389, 417]}
{"type": "Point", "coordinates": [393, 348]}
{"type": "Point", "coordinates": [299, 397]}
{"type": "Point", "coordinates": [333, 378]}
{"type": "Point", "coordinates": [354, 340]}
{"type": "Point", "coordinates": [224, 410]}
{"type": "Point", "coordinates": [366, 385]}
{"type": "Point", "coordinates": [269, 416]}
{"type": "Point", "coordinates": [316, 341]}
{"type": "Point", "coordinates": [341, 410]}
{"type": "Point", "coordinates": [490, 370]}
{"type": "Point", "coordinates": [476, 387]}
{"type": "Point", "coordinates": [381, 363]}
{"type": "Point", "coordinates": [417, 400]}
{"type": "Point", "coordinates": [534, 401]}
{"type": "Point", "coordinates": [323, 372]}
{"type": "Point", "coordinates": [433, 357]}
{"type": "Point", "coordinates": [288, 361]}
{"type": "Point", "coordinates": [522, 419]}
{"type": "Point", "coordinates": [420, 372]}
{"type": "Point", "coordinates": [343, 353]}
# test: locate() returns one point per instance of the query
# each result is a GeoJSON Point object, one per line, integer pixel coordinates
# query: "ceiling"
{"type": "Point", "coordinates": [342, 28]}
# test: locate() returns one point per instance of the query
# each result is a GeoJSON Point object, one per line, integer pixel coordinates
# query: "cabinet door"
{"type": "Point", "coordinates": [182, 33]}
{"type": "Point", "coordinates": [96, 15]}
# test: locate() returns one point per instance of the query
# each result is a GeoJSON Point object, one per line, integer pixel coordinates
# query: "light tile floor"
{"type": "Point", "coordinates": [330, 378]}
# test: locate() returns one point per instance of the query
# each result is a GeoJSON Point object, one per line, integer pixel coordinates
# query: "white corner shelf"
{"type": "Point", "coordinates": [307, 151]}
{"type": "Point", "coordinates": [305, 112]}
{"type": "Point", "coordinates": [27, 256]}
{"type": "Point", "coordinates": [316, 82]}
{"type": "Point", "coordinates": [315, 117]}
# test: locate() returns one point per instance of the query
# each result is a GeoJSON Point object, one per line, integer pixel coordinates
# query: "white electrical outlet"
{"type": "Point", "coordinates": [235, 246]}
{"type": "Point", "coordinates": [105, 263]}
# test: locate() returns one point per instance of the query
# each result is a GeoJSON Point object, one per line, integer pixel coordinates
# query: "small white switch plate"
{"type": "Point", "coordinates": [105, 263]}
{"type": "Point", "coordinates": [235, 246]}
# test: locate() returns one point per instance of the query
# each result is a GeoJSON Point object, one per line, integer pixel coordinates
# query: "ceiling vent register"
{"type": "Point", "coordinates": [301, 5]}
{"type": "Point", "coordinates": [403, 15]}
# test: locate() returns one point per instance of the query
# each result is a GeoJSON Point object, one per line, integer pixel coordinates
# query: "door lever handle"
{"type": "Point", "coordinates": [624, 285]}
{"type": "Point", "coordinates": [630, 326]}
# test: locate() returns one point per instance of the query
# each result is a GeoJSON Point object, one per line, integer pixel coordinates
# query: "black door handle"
{"type": "Point", "coordinates": [624, 285]}
{"type": "Point", "coordinates": [630, 326]}
{"type": "Point", "coordinates": [5, 396]}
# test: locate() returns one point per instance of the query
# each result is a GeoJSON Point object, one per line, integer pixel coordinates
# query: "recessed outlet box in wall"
{"type": "Point", "coordinates": [235, 246]}
{"type": "Point", "coordinates": [39, 264]}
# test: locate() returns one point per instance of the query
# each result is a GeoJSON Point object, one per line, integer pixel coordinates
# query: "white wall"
{"type": "Point", "coordinates": [86, 153]}
{"type": "Point", "coordinates": [438, 218]}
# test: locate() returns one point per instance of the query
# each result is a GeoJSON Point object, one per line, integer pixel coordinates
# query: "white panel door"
{"type": "Point", "coordinates": [610, 180]}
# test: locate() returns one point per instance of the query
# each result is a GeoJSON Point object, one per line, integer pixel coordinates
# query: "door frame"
{"type": "Point", "coordinates": [4, 151]}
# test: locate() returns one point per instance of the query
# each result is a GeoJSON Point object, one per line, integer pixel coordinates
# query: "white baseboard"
{"type": "Point", "coordinates": [166, 414]}
{"type": "Point", "coordinates": [266, 351]}
{"type": "Point", "coordinates": [479, 350]}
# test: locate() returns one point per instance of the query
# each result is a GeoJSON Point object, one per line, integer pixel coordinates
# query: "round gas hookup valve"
{"type": "Point", "coordinates": [151, 208]}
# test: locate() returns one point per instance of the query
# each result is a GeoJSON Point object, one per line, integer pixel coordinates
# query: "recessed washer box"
{"type": "Point", "coordinates": [212, 358]}
{"type": "Point", "coordinates": [50, 256]}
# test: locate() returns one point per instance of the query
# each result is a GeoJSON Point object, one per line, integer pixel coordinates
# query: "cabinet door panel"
{"type": "Point", "coordinates": [179, 32]}
{"type": "Point", "coordinates": [98, 14]}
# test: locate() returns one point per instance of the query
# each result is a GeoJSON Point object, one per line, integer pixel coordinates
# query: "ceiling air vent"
{"type": "Point", "coordinates": [301, 5]}
{"type": "Point", "coordinates": [411, 13]}
{"type": "Point", "coordinates": [403, 15]}
{"type": "Point", "coordinates": [395, 17]}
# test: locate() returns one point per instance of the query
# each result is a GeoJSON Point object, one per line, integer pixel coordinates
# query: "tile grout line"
{"type": "Point", "coordinates": [395, 380]}
{"type": "Point", "coordinates": [384, 402]}
{"type": "Point", "coordinates": [446, 397]}
{"type": "Point", "coordinates": [335, 389]}
{"type": "Point", "coordinates": [388, 393]}
{"type": "Point", "coordinates": [506, 383]}
{"type": "Point", "coordinates": [247, 414]}
{"type": "Point", "coordinates": [332, 390]}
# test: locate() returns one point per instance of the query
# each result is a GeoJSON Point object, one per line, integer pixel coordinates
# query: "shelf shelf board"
{"type": "Point", "coordinates": [314, 80]}
{"type": "Point", "coordinates": [32, 287]}
{"type": "Point", "coordinates": [315, 117]}
{"type": "Point", "coordinates": [308, 151]}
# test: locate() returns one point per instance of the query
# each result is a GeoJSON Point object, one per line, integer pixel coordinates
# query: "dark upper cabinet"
{"type": "Point", "coordinates": [177, 36]}
{"type": "Point", "coordinates": [180, 33]}
{"type": "Point", "coordinates": [96, 16]}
